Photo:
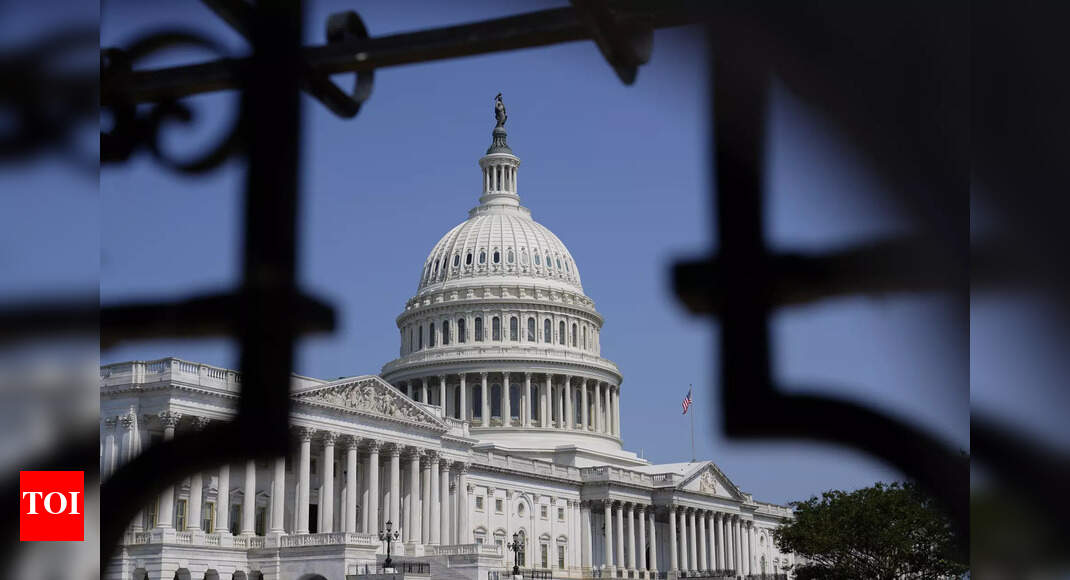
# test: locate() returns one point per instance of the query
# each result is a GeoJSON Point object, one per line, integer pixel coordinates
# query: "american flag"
{"type": "Point", "coordinates": [687, 402]}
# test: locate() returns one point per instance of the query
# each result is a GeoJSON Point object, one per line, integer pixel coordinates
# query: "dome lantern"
{"type": "Point", "coordinates": [499, 165]}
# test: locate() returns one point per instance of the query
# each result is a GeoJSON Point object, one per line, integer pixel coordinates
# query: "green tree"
{"type": "Point", "coordinates": [883, 532]}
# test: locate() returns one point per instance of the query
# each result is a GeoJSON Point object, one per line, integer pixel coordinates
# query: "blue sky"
{"type": "Point", "coordinates": [619, 173]}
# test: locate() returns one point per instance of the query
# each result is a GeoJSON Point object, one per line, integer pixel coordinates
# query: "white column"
{"type": "Point", "coordinates": [619, 532]}
{"type": "Point", "coordinates": [544, 402]}
{"type": "Point", "coordinates": [485, 400]}
{"type": "Point", "coordinates": [527, 400]}
{"type": "Point", "coordinates": [652, 565]}
{"type": "Point", "coordinates": [703, 561]}
{"type": "Point", "coordinates": [507, 403]}
{"type": "Point", "coordinates": [110, 451]}
{"type": "Point", "coordinates": [444, 501]}
{"type": "Point", "coordinates": [598, 406]}
{"type": "Point", "coordinates": [630, 516]}
{"type": "Point", "coordinates": [463, 412]}
{"type": "Point", "coordinates": [395, 485]}
{"type": "Point", "coordinates": [165, 507]}
{"type": "Point", "coordinates": [711, 545]}
{"type": "Point", "coordinates": [750, 547]}
{"type": "Point", "coordinates": [278, 495]}
{"type": "Point", "coordinates": [640, 515]}
{"type": "Point", "coordinates": [585, 533]}
{"type": "Point", "coordinates": [413, 534]}
{"type": "Point", "coordinates": [425, 500]}
{"type": "Point", "coordinates": [465, 533]}
{"type": "Point", "coordinates": [351, 484]}
{"type": "Point", "coordinates": [372, 508]}
{"type": "Point", "coordinates": [222, 501]}
{"type": "Point", "coordinates": [607, 523]}
{"type": "Point", "coordinates": [584, 419]}
{"type": "Point", "coordinates": [616, 411]}
{"type": "Point", "coordinates": [196, 499]}
{"type": "Point", "coordinates": [423, 392]}
{"type": "Point", "coordinates": [718, 540]}
{"type": "Point", "coordinates": [326, 506]}
{"type": "Point", "coordinates": [248, 505]}
{"type": "Point", "coordinates": [304, 434]}
{"type": "Point", "coordinates": [570, 415]}
{"type": "Point", "coordinates": [685, 545]}
{"type": "Point", "coordinates": [737, 561]}
{"type": "Point", "coordinates": [674, 553]}
{"type": "Point", "coordinates": [434, 514]}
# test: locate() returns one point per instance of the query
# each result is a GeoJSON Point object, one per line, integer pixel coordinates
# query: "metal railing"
{"type": "Point", "coordinates": [405, 568]}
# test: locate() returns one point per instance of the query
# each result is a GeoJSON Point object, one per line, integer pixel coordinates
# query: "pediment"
{"type": "Point", "coordinates": [711, 481]}
{"type": "Point", "coordinates": [371, 395]}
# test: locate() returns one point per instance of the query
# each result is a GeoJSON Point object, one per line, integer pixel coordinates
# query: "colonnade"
{"type": "Point", "coordinates": [432, 504]}
{"type": "Point", "coordinates": [699, 539]}
{"type": "Point", "coordinates": [546, 400]}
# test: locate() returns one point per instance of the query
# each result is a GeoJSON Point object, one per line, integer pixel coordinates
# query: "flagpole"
{"type": "Point", "coordinates": [689, 390]}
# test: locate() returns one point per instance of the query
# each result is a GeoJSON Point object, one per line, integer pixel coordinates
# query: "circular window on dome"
{"type": "Point", "coordinates": [482, 257]}
{"type": "Point", "coordinates": [497, 257]}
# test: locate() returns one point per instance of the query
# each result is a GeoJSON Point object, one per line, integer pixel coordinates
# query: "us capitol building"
{"type": "Point", "coordinates": [499, 417]}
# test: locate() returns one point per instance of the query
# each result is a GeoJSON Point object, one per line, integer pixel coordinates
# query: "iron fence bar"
{"type": "Point", "coordinates": [269, 296]}
{"type": "Point", "coordinates": [529, 30]}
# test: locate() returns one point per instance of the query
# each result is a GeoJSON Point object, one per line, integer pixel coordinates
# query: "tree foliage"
{"type": "Point", "coordinates": [887, 531]}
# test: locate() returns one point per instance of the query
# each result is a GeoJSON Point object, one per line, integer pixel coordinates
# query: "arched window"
{"type": "Point", "coordinates": [509, 256]}
{"type": "Point", "coordinates": [549, 262]}
{"type": "Point", "coordinates": [495, 328]}
{"type": "Point", "coordinates": [431, 336]}
{"type": "Point", "coordinates": [547, 331]}
{"type": "Point", "coordinates": [514, 328]}
{"type": "Point", "coordinates": [538, 261]}
{"type": "Point", "coordinates": [468, 259]}
{"type": "Point", "coordinates": [482, 257]}
{"type": "Point", "coordinates": [561, 332]}
{"type": "Point", "coordinates": [460, 331]}
{"type": "Point", "coordinates": [456, 260]}
{"type": "Point", "coordinates": [497, 257]}
{"type": "Point", "coordinates": [573, 334]}
{"type": "Point", "coordinates": [524, 257]}
{"type": "Point", "coordinates": [531, 330]}
{"type": "Point", "coordinates": [445, 332]}
{"type": "Point", "coordinates": [479, 329]}
{"type": "Point", "coordinates": [559, 263]}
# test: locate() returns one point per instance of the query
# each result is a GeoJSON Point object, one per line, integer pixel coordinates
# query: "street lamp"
{"type": "Point", "coordinates": [390, 535]}
{"type": "Point", "coordinates": [517, 546]}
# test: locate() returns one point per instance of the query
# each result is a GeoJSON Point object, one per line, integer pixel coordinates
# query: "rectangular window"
{"type": "Point", "coordinates": [561, 332]}
{"type": "Point", "coordinates": [261, 521]}
{"type": "Point", "coordinates": [560, 556]}
{"type": "Point", "coordinates": [547, 332]}
{"type": "Point", "coordinates": [208, 524]}
{"type": "Point", "coordinates": [445, 332]}
{"type": "Point", "coordinates": [150, 514]}
{"type": "Point", "coordinates": [514, 329]}
{"type": "Point", "coordinates": [498, 505]}
{"type": "Point", "coordinates": [543, 512]}
{"type": "Point", "coordinates": [461, 331]}
{"type": "Point", "coordinates": [235, 519]}
{"type": "Point", "coordinates": [431, 336]}
{"type": "Point", "coordinates": [561, 514]}
{"type": "Point", "coordinates": [479, 330]}
{"type": "Point", "coordinates": [496, 328]}
{"type": "Point", "coordinates": [544, 553]}
{"type": "Point", "coordinates": [531, 330]}
{"type": "Point", "coordinates": [180, 515]}
{"type": "Point", "coordinates": [479, 502]}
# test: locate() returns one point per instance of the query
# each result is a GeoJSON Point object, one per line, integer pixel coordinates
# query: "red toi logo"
{"type": "Point", "coordinates": [52, 506]}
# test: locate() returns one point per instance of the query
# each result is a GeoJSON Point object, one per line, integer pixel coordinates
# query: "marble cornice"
{"type": "Point", "coordinates": [498, 302]}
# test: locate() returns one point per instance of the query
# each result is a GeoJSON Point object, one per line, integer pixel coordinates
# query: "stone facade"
{"type": "Point", "coordinates": [499, 417]}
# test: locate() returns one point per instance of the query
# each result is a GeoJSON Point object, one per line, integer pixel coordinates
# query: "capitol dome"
{"type": "Point", "coordinates": [501, 335]}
